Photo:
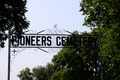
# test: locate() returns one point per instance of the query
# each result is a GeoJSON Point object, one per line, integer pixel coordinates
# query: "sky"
{"type": "Point", "coordinates": [43, 14]}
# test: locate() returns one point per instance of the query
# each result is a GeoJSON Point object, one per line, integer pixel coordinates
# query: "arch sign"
{"type": "Point", "coordinates": [52, 39]}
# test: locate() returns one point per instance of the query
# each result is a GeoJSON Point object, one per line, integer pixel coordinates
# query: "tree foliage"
{"type": "Point", "coordinates": [101, 13]}
{"type": "Point", "coordinates": [38, 73]}
{"type": "Point", "coordinates": [25, 74]}
{"type": "Point", "coordinates": [12, 16]}
{"type": "Point", "coordinates": [77, 63]}
{"type": "Point", "coordinates": [43, 72]}
{"type": "Point", "coordinates": [104, 15]}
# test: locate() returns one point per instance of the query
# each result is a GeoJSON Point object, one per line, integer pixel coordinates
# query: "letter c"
{"type": "Point", "coordinates": [58, 44]}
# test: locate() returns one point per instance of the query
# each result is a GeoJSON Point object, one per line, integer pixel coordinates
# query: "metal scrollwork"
{"type": "Point", "coordinates": [37, 49]}
{"type": "Point", "coordinates": [54, 50]}
{"type": "Point", "coordinates": [51, 50]}
{"type": "Point", "coordinates": [55, 30]}
{"type": "Point", "coordinates": [31, 31]}
{"type": "Point", "coordinates": [15, 52]}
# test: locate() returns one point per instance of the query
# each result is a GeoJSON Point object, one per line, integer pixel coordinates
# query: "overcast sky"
{"type": "Point", "coordinates": [43, 14]}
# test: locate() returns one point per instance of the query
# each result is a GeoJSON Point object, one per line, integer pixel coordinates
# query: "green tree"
{"type": "Point", "coordinates": [101, 13]}
{"type": "Point", "coordinates": [43, 72]}
{"type": "Point", "coordinates": [38, 73]}
{"type": "Point", "coordinates": [49, 71]}
{"type": "Point", "coordinates": [77, 63]}
{"type": "Point", "coordinates": [12, 16]}
{"type": "Point", "coordinates": [25, 74]}
{"type": "Point", "coordinates": [104, 15]}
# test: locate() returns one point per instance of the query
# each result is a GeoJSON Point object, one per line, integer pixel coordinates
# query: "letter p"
{"type": "Point", "coordinates": [13, 39]}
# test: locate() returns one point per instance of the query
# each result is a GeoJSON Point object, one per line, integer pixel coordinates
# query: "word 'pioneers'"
{"type": "Point", "coordinates": [53, 41]}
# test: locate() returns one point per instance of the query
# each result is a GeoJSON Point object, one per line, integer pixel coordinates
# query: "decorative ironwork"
{"type": "Point", "coordinates": [55, 30]}
{"type": "Point", "coordinates": [50, 50]}
{"type": "Point", "coordinates": [15, 52]}
{"type": "Point", "coordinates": [48, 31]}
